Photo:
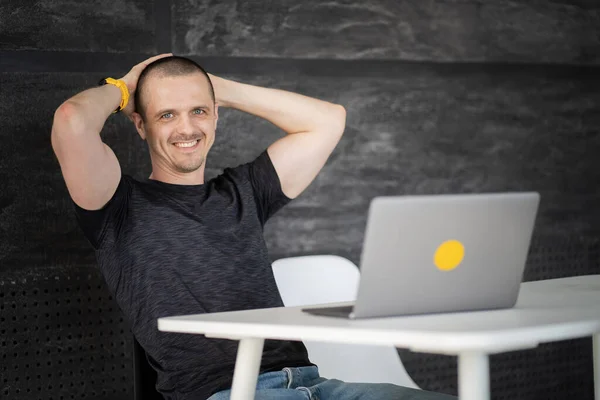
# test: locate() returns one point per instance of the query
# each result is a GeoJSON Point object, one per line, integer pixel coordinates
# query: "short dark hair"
{"type": "Point", "coordinates": [168, 66]}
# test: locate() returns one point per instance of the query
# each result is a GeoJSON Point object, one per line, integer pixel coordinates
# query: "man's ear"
{"type": "Point", "coordinates": [138, 121]}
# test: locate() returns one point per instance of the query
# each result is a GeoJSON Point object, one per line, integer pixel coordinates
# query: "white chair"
{"type": "Point", "coordinates": [320, 279]}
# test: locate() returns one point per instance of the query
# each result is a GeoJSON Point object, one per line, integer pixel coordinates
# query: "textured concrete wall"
{"type": "Point", "coordinates": [443, 30]}
{"type": "Point", "coordinates": [442, 97]}
{"type": "Point", "coordinates": [95, 25]}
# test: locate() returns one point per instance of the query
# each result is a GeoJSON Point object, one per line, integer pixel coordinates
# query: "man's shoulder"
{"type": "Point", "coordinates": [234, 173]}
{"type": "Point", "coordinates": [245, 170]}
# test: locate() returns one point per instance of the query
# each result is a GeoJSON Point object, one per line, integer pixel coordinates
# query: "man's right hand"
{"type": "Point", "coordinates": [131, 79]}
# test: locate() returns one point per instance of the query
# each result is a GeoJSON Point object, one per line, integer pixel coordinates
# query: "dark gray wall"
{"type": "Point", "coordinates": [442, 97]}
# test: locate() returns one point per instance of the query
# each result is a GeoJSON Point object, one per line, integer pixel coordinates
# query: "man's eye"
{"type": "Point", "coordinates": [198, 111]}
{"type": "Point", "coordinates": [167, 115]}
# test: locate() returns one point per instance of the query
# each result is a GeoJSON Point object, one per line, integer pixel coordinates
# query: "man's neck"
{"type": "Point", "coordinates": [178, 178]}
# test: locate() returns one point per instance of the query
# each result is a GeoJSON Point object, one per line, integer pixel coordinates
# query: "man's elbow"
{"type": "Point", "coordinates": [338, 119]}
{"type": "Point", "coordinates": [67, 119]}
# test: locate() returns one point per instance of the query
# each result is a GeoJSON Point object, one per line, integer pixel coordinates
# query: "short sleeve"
{"type": "Point", "coordinates": [101, 227]}
{"type": "Point", "coordinates": [268, 193]}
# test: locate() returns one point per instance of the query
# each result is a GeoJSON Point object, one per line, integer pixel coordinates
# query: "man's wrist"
{"type": "Point", "coordinates": [122, 86]}
{"type": "Point", "coordinates": [222, 91]}
{"type": "Point", "coordinates": [130, 86]}
{"type": "Point", "coordinates": [114, 93]}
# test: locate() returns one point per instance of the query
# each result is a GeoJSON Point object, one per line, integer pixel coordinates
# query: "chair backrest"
{"type": "Point", "coordinates": [318, 279]}
{"type": "Point", "coordinates": [144, 376]}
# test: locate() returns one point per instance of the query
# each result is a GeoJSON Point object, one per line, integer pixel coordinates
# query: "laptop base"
{"type": "Point", "coordinates": [339, 312]}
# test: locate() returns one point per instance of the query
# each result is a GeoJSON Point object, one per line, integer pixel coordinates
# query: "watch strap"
{"type": "Point", "coordinates": [124, 91]}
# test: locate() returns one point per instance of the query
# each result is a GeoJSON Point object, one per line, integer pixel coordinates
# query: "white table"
{"type": "Point", "coordinates": [546, 311]}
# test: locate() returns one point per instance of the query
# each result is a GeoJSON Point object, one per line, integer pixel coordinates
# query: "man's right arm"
{"type": "Point", "coordinates": [90, 168]}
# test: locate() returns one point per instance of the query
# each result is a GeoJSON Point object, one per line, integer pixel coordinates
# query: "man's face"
{"type": "Point", "coordinates": [180, 121]}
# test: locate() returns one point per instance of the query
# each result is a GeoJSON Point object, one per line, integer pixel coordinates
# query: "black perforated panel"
{"type": "Point", "coordinates": [552, 371]}
{"type": "Point", "coordinates": [62, 337]}
{"type": "Point", "coordinates": [560, 257]}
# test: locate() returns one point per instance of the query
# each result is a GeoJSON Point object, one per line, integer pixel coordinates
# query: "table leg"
{"type": "Point", "coordinates": [596, 349]}
{"type": "Point", "coordinates": [247, 365]}
{"type": "Point", "coordinates": [473, 376]}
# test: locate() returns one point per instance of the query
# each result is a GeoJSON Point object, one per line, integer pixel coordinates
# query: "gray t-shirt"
{"type": "Point", "coordinates": [168, 249]}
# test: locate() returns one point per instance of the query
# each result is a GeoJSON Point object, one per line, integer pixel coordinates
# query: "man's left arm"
{"type": "Point", "coordinates": [314, 127]}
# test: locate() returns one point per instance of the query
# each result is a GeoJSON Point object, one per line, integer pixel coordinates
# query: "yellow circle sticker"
{"type": "Point", "coordinates": [449, 255]}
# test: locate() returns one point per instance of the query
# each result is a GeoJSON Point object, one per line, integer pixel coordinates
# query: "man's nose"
{"type": "Point", "coordinates": [185, 125]}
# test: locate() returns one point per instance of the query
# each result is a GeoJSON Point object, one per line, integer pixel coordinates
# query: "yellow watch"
{"type": "Point", "coordinates": [124, 91]}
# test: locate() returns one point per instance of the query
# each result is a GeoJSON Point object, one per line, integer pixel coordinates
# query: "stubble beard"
{"type": "Point", "coordinates": [191, 165]}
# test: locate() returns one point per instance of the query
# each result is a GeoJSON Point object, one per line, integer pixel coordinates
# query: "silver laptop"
{"type": "Point", "coordinates": [442, 253]}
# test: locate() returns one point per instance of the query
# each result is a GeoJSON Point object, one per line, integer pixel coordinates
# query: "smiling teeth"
{"type": "Point", "coordinates": [186, 144]}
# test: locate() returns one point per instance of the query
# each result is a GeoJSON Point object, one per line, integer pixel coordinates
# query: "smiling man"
{"type": "Point", "coordinates": [176, 244]}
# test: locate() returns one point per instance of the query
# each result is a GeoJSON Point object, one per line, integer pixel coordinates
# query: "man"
{"type": "Point", "coordinates": [175, 244]}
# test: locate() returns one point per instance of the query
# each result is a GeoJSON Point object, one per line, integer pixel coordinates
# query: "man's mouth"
{"type": "Point", "coordinates": [187, 144]}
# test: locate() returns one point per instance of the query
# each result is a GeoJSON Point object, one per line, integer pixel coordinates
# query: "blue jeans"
{"type": "Point", "coordinates": [304, 383]}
